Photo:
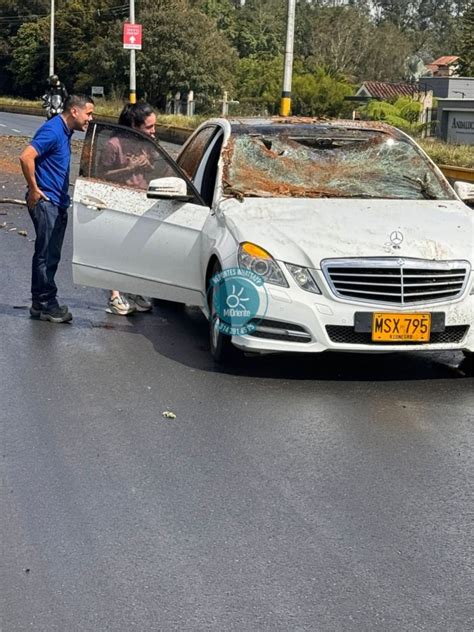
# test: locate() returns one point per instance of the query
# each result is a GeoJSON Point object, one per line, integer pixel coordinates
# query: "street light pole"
{"type": "Point", "coordinates": [285, 103]}
{"type": "Point", "coordinates": [133, 76]}
{"type": "Point", "coordinates": [51, 42]}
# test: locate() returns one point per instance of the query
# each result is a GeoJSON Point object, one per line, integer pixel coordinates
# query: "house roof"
{"type": "Point", "coordinates": [447, 60]}
{"type": "Point", "coordinates": [384, 90]}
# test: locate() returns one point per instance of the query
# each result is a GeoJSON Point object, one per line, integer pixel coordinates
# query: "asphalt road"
{"type": "Point", "coordinates": [329, 493]}
{"type": "Point", "coordinates": [23, 125]}
{"type": "Point", "coordinates": [19, 124]}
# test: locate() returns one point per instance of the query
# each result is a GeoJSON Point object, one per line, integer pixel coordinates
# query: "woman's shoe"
{"type": "Point", "coordinates": [120, 306]}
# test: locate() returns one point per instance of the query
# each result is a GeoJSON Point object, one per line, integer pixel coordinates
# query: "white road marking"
{"type": "Point", "coordinates": [2, 125]}
{"type": "Point", "coordinates": [16, 130]}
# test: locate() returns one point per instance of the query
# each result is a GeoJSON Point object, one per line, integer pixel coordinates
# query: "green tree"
{"type": "Point", "coordinates": [385, 59]}
{"type": "Point", "coordinates": [314, 92]}
{"type": "Point", "coordinates": [89, 44]}
{"type": "Point", "coordinates": [223, 12]}
{"type": "Point", "coordinates": [13, 14]}
{"type": "Point", "coordinates": [320, 94]}
{"type": "Point", "coordinates": [466, 44]}
{"type": "Point", "coordinates": [30, 57]}
{"type": "Point", "coordinates": [345, 40]}
{"type": "Point", "coordinates": [261, 28]}
{"type": "Point", "coordinates": [431, 24]}
{"type": "Point", "coordinates": [183, 50]}
{"type": "Point", "coordinates": [258, 85]}
{"type": "Point", "coordinates": [82, 30]}
{"type": "Point", "coordinates": [337, 38]}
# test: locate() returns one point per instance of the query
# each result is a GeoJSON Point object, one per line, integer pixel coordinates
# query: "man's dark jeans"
{"type": "Point", "coordinates": [50, 223]}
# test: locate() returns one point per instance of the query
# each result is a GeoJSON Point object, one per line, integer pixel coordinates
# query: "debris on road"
{"type": "Point", "coordinates": [23, 233]}
{"type": "Point", "coordinates": [12, 201]}
{"type": "Point", "coordinates": [168, 414]}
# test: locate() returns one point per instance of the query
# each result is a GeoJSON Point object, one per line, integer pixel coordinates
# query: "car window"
{"type": "Point", "coordinates": [123, 156]}
{"type": "Point", "coordinates": [192, 154]}
{"type": "Point", "coordinates": [205, 179]}
{"type": "Point", "coordinates": [126, 157]}
{"type": "Point", "coordinates": [330, 163]}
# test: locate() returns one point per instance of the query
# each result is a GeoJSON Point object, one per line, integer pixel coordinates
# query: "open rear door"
{"type": "Point", "coordinates": [124, 240]}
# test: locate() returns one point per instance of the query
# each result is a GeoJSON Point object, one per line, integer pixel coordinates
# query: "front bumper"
{"type": "Point", "coordinates": [327, 324]}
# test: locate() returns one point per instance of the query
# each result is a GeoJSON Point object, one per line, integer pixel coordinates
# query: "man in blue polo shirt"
{"type": "Point", "coordinates": [45, 165]}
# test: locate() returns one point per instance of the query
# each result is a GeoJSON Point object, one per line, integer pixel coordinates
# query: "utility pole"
{"type": "Point", "coordinates": [133, 76]}
{"type": "Point", "coordinates": [285, 103]}
{"type": "Point", "coordinates": [51, 42]}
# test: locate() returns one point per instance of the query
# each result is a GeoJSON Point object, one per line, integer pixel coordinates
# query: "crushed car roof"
{"type": "Point", "coordinates": [240, 125]}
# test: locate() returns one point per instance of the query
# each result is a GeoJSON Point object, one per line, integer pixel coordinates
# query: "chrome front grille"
{"type": "Point", "coordinates": [396, 281]}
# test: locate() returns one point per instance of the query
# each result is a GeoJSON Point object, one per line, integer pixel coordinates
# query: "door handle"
{"type": "Point", "coordinates": [93, 203]}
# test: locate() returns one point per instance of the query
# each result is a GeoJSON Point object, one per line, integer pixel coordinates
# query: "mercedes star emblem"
{"type": "Point", "coordinates": [396, 238]}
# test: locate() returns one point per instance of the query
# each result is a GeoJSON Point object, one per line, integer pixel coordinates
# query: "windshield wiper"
{"type": "Point", "coordinates": [423, 186]}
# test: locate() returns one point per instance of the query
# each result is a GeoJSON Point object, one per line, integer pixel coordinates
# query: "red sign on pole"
{"type": "Point", "coordinates": [132, 36]}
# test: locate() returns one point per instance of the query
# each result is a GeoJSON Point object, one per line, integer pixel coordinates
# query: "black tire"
{"type": "Point", "coordinates": [222, 350]}
{"type": "Point", "coordinates": [170, 305]}
{"type": "Point", "coordinates": [467, 365]}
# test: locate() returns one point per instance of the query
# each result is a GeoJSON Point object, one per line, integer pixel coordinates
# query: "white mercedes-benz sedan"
{"type": "Point", "coordinates": [292, 235]}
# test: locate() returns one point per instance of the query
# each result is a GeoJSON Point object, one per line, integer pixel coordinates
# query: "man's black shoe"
{"type": "Point", "coordinates": [36, 309]}
{"type": "Point", "coordinates": [56, 314]}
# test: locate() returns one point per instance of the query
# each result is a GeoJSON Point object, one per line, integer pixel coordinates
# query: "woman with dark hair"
{"type": "Point", "coordinates": [130, 168]}
{"type": "Point", "coordinates": [123, 159]}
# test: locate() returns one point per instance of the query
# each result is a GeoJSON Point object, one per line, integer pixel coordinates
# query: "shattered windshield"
{"type": "Point", "coordinates": [334, 162]}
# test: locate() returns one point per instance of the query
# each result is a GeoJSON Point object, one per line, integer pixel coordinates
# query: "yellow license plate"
{"type": "Point", "coordinates": [389, 327]}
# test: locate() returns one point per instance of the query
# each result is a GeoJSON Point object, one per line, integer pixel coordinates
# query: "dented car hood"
{"type": "Point", "coordinates": [306, 231]}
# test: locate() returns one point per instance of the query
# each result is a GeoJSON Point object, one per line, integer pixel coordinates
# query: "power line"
{"type": "Point", "coordinates": [19, 18]}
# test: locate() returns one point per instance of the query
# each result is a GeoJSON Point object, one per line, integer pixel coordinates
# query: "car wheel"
{"type": "Point", "coordinates": [467, 365]}
{"type": "Point", "coordinates": [169, 305]}
{"type": "Point", "coordinates": [220, 344]}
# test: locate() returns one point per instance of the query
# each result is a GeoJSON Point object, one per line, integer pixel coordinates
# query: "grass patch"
{"type": "Point", "coordinates": [178, 120]}
{"type": "Point", "coordinates": [446, 154]}
{"type": "Point", "coordinates": [18, 101]}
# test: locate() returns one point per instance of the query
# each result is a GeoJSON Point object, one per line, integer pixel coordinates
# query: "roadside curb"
{"type": "Point", "coordinates": [23, 109]}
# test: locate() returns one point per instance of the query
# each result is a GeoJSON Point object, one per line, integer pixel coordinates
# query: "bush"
{"type": "Point", "coordinates": [445, 154]}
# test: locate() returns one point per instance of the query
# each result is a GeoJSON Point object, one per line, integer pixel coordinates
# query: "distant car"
{"type": "Point", "coordinates": [292, 235]}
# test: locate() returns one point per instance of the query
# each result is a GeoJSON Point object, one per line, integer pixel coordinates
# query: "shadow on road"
{"type": "Point", "coordinates": [186, 341]}
{"type": "Point", "coordinates": [181, 335]}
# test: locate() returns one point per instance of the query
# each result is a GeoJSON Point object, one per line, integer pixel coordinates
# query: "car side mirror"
{"type": "Point", "coordinates": [465, 190]}
{"type": "Point", "coordinates": [168, 189]}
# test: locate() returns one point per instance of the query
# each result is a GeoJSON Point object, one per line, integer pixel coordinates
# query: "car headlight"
{"type": "Point", "coordinates": [259, 261]}
{"type": "Point", "coordinates": [303, 278]}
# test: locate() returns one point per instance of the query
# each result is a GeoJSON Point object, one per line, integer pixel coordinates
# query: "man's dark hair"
{"type": "Point", "coordinates": [134, 114]}
{"type": "Point", "coordinates": [76, 101]}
